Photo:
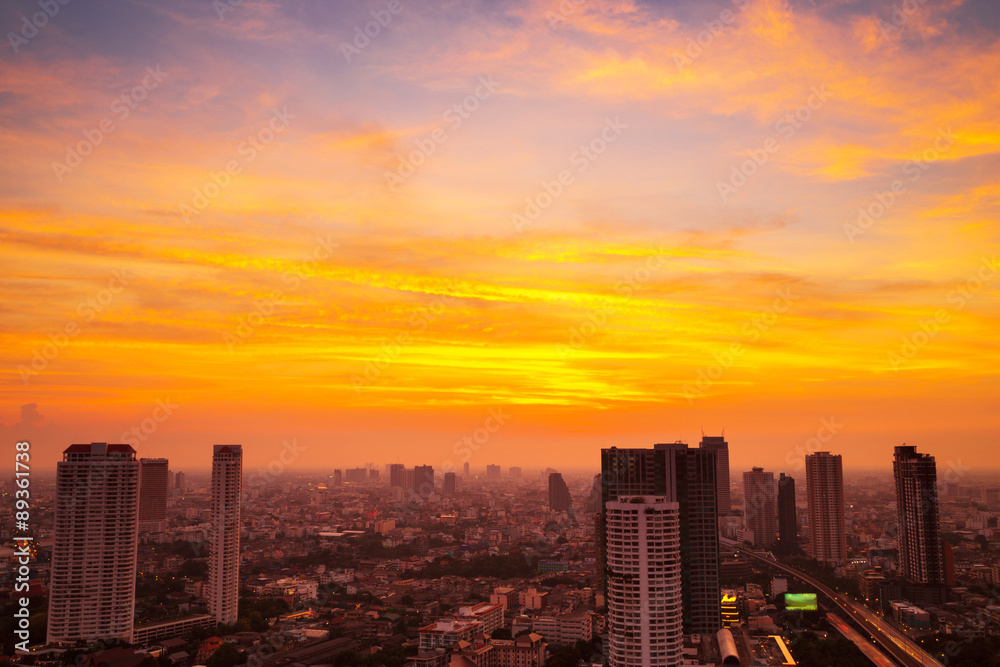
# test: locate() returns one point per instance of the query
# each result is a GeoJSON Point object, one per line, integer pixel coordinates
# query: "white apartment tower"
{"type": "Point", "coordinates": [825, 489]}
{"type": "Point", "coordinates": [92, 589]}
{"type": "Point", "coordinates": [224, 560]}
{"type": "Point", "coordinates": [645, 605]}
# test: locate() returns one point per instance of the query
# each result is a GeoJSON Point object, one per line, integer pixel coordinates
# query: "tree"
{"type": "Point", "coordinates": [407, 600]}
{"type": "Point", "coordinates": [194, 567]}
{"type": "Point", "coordinates": [567, 656]}
{"type": "Point", "coordinates": [225, 656]}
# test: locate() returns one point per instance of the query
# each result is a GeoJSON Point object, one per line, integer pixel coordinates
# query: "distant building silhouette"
{"type": "Point", "coordinates": [825, 491]}
{"type": "Point", "coordinates": [921, 558]}
{"type": "Point", "coordinates": [788, 522]}
{"type": "Point", "coordinates": [223, 586]}
{"type": "Point", "coordinates": [759, 505]}
{"type": "Point", "coordinates": [559, 496]}
{"type": "Point", "coordinates": [95, 542]}
{"type": "Point", "coordinates": [423, 480]}
{"type": "Point", "coordinates": [450, 484]}
{"type": "Point", "coordinates": [493, 473]}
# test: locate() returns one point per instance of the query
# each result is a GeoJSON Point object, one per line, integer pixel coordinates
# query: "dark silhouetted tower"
{"type": "Point", "coordinates": [559, 497]}
{"type": "Point", "coordinates": [921, 559]}
{"type": "Point", "coordinates": [788, 523]}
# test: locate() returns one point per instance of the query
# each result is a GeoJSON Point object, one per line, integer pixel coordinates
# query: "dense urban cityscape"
{"type": "Point", "coordinates": [500, 333]}
{"type": "Point", "coordinates": [665, 557]}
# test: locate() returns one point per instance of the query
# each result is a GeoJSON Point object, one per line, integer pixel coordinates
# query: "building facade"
{"type": "Point", "coordinates": [788, 520]}
{"type": "Point", "coordinates": [759, 507]}
{"type": "Point", "coordinates": [645, 609]}
{"type": "Point", "coordinates": [718, 445]}
{"type": "Point", "coordinates": [825, 491]}
{"type": "Point", "coordinates": [154, 477]}
{"type": "Point", "coordinates": [921, 558]}
{"type": "Point", "coordinates": [222, 590]}
{"type": "Point", "coordinates": [95, 541]}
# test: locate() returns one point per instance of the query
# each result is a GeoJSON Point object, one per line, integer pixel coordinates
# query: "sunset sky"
{"type": "Point", "coordinates": [616, 223]}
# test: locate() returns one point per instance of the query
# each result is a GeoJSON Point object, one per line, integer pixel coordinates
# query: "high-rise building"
{"type": "Point", "coordinates": [492, 473]}
{"type": "Point", "coordinates": [423, 480]}
{"type": "Point", "coordinates": [154, 475]}
{"type": "Point", "coordinates": [645, 627]}
{"type": "Point", "coordinates": [222, 590]}
{"type": "Point", "coordinates": [684, 475]}
{"type": "Point", "coordinates": [397, 475]}
{"type": "Point", "coordinates": [180, 481]}
{"type": "Point", "coordinates": [559, 496]}
{"type": "Point", "coordinates": [921, 559]}
{"type": "Point", "coordinates": [759, 505]}
{"type": "Point", "coordinates": [450, 485]}
{"type": "Point", "coordinates": [788, 521]}
{"type": "Point", "coordinates": [825, 491]}
{"type": "Point", "coordinates": [95, 541]}
{"type": "Point", "coordinates": [465, 469]}
{"type": "Point", "coordinates": [515, 472]}
{"type": "Point", "coordinates": [718, 444]}
{"type": "Point", "coordinates": [356, 475]}
{"type": "Point", "coordinates": [338, 477]}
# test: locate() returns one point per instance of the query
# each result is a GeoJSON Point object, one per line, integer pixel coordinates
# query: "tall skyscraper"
{"type": "Point", "coordinates": [92, 589]}
{"type": "Point", "coordinates": [788, 522]}
{"type": "Point", "coordinates": [338, 477]}
{"type": "Point", "coordinates": [493, 472]}
{"type": "Point", "coordinates": [825, 491]}
{"type": "Point", "coordinates": [921, 559]}
{"type": "Point", "coordinates": [181, 481]}
{"type": "Point", "coordinates": [465, 469]}
{"type": "Point", "coordinates": [423, 480]}
{"type": "Point", "coordinates": [718, 444]}
{"type": "Point", "coordinates": [224, 534]}
{"type": "Point", "coordinates": [686, 476]}
{"type": "Point", "coordinates": [759, 505]}
{"type": "Point", "coordinates": [154, 476]}
{"type": "Point", "coordinates": [560, 499]}
{"type": "Point", "coordinates": [645, 627]}
{"type": "Point", "coordinates": [450, 486]}
{"type": "Point", "coordinates": [397, 475]}
{"type": "Point", "coordinates": [515, 472]}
